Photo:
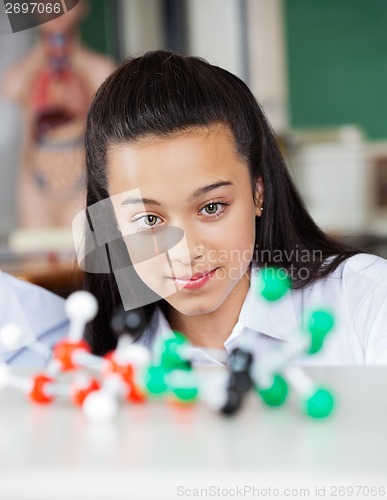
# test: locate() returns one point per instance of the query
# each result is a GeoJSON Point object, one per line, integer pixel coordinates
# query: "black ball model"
{"type": "Point", "coordinates": [239, 382]}
{"type": "Point", "coordinates": [132, 323]}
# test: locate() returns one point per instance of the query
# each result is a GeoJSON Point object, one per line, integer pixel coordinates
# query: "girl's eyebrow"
{"type": "Point", "coordinates": [198, 192]}
{"type": "Point", "coordinates": [210, 187]}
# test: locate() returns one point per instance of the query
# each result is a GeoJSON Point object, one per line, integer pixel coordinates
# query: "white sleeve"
{"type": "Point", "coordinates": [373, 318]}
{"type": "Point", "coordinates": [364, 287]}
{"type": "Point", "coordinates": [40, 314]}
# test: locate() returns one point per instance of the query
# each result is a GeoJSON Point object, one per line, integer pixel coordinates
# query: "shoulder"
{"type": "Point", "coordinates": [359, 273]}
{"type": "Point", "coordinates": [361, 277]}
{"type": "Point", "coordinates": [356, 293]}
{"type": "Point", "coordinates": [363, 284]}
{"type": "Point", "coordinates": [43, 309]}
{"type": "Point", "coordinates": [370, 266]}
{"type": "Point", "coordinates": [355, 280]}
{"type": "Point", "coordinates": [40, 313]}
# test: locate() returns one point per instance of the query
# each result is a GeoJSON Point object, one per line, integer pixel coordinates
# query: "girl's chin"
{"type": "Point", "coordinates": [188, 308]}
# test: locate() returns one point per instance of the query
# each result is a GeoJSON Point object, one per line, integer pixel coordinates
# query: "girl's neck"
{"type": "Point", "coordinates": [211, 330]}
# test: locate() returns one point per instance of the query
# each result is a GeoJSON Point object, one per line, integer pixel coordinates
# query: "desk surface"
{"type": "Point", "coordinates": [149, 450]}
{"type": "Point", "coordinates": [43, 256]}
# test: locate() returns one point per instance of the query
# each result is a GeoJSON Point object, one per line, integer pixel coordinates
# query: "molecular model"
{"type": "Point", "coordinates": [271, 377]}
{"type": "Point", "coordinates": [136, 374]}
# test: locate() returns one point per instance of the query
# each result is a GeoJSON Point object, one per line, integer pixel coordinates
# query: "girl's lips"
{"type": "Point", "coordinates": [197, 280]}
{"type": "Point", "coordinates": [194, 277]}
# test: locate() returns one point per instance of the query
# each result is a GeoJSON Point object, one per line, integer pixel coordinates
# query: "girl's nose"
{"type": "Point", "coordinates": [187, 251]}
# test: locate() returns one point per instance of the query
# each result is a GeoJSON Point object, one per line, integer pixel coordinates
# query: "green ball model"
{"type": "Point", "coordinates": [319, 325]}
{"type": "Point", "coordinates": [171, 353]}
{"type": "Point", "coordinates": [273, 283]}
{"type": "Point", "coordinates": [276, 394]}
{"type": "Point", "coordinates": [155, 380]}
{"type": "Point", "coordinates": [183, 385]}
{"type": "Point", "coordinates": [320, 404]}
{"type": "Point", "coordinates": [186, 394]}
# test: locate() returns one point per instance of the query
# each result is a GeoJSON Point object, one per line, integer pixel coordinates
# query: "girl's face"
{"type": "Point", "coordinates": [194, 181]}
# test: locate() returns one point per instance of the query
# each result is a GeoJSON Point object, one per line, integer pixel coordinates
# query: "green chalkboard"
{"type": "Point", "coordinates": [97, 29]}
{"type": "Point", "coordinates": [337, 63]}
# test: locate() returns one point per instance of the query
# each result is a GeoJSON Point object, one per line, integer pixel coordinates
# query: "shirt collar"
{"type": "Point", "coordinates": [275, 319]}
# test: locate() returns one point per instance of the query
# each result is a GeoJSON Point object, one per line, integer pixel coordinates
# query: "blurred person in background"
{"type": "Point", "coordinates": [39, 314]}
{"type": "Point", "coordinates": [53, 85]}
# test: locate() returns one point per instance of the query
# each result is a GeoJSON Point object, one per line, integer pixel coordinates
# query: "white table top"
{"type": "Point", "coordinates": [150, 450]}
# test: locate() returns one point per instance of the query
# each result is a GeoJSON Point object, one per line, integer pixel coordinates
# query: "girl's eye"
{"type": "Point", "coordinates": [212, 209]}
{"type": "Point", "coordinates": [145, 222]}
{"type": "Point", "coordinates": [150, 220]}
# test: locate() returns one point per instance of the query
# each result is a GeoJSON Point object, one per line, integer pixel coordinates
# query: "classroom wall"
{"type": "Point", "coordinates": [96, 28]}
{"type": "Point", "coordinates": [267, 59]}
{"type": "Point", "coordinates": [143, 26]}
{"type": "Point", "coordinates": [337, 63]}
{"type": "Point", "coordinates": [12, 46]}
{"type": "Point", "coordinates": [336, 56]}
{"type": "Point", "coordinates": [216, 31]}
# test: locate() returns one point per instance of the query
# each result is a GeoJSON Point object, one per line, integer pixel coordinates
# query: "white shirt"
{"type": "Point", "coordinates": [40, 314]}
{"type": "Point", "coordinates": [356, 293]}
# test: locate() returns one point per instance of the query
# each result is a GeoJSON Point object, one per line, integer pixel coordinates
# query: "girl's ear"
{"type": "Point", "coordinates": [259, 197]}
